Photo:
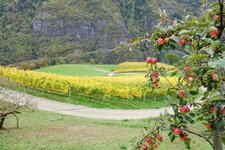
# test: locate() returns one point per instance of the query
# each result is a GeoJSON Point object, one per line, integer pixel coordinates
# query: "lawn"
{"type": "Point", "coordinates": [122, 69]}
{"type": "Point", "coordinates": [79, 69]}
{"type": "Point", "coordinates": [51, 131]}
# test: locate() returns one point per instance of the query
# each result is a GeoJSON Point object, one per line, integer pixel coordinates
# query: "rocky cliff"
{"type": "Point", "coordinates": [33, 29]}
{"type": "Point", "coordinates": [94, 24]}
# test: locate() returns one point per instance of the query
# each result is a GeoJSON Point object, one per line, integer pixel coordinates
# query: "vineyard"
{"type": "Point", "coordinates": [128, 87]}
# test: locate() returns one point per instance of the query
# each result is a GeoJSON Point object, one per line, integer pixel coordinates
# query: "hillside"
{"type": "Point", "coordinates": [35, 29]}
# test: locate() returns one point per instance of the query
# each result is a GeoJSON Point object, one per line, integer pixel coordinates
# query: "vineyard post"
{"type": "Point", "coordinates": [69, 91]}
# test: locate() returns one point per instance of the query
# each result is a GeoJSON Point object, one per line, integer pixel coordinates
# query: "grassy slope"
{"type": "Point", "coordinates": [79, 69]}
{"type": "Point", "coordinates": [44, 130]}
{"type": "Point", "coordinates": [138, 67]}
{"type": "Point", "coordinates": [100, 70]}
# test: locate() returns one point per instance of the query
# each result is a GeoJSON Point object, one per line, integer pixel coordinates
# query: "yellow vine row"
{"type": "Point", "coordinates": [126, 87]}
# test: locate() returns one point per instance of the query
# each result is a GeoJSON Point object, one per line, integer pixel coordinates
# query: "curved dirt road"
{"type": "Point", "coordinates": [83, 111]}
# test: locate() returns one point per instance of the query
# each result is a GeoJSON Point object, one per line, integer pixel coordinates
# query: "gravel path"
{"type": "Point", "coordinates": [82, 111]}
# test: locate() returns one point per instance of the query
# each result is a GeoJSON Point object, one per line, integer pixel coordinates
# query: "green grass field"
{"type": "Point", "coordinates": [123, 69]}
{"type": "Point", "coordinates": [138, 67]}
{"type": "Point", "coordinates": [50, 131]}
{"type": "Point", "coordinates": [79, 69]}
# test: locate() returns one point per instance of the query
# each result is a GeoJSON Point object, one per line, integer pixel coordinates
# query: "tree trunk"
{"type": "Point", "coordinates": [217, 138]}
{"type": "Point", "coordinates": [2, 119]}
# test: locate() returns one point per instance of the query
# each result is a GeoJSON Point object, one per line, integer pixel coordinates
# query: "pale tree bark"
{"type": "Point", "coordinates": [217, 138]}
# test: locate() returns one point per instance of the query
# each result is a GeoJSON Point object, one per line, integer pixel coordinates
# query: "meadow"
{"type": "Point", "coordinates": [79, 69]}
{"type": "Point", "coordinates": [139, 67]}
{"type": "Point", "coordinates": [50, 131]}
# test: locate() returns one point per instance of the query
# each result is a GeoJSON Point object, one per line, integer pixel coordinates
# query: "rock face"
{"type": "Point", "coordinates": [105, 32]}
{"type": "Point", "coordinates": [33, 29]}
{"type": "Point", "coordinates": [102, 24]}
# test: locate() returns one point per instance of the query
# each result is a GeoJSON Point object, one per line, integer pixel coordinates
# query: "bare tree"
{"type": "Point", "coordinates": [12, 103]}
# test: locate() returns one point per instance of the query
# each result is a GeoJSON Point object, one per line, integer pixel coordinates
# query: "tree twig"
{"type": "Point", "coordinates": [169, 82]}
{"type": "Point", "coordinates": [199, 135]}
{"type": "Point", "coordinates": [221, 18]}
{"type": "Point", "coordinates": [156, 129]}
{"type": "Point", "coordinates": [17, 120]}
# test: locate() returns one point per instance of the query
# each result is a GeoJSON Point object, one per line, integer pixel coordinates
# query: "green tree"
{"type": "Point", "coordinates": [203, 67]}
{"type": "Point", "coordinates": [172, 58]}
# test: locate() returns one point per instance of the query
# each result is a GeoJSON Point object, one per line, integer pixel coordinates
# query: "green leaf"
{"type": "Point", "coordinates": [213, 5]}
{"type": "Point", "coordinates": [222, 49]}
{"type": "Point", "coordinates": [184, 32]}
{"type": "Point", "coordinates": [193, 91]}
{"type": "Point", "coordinates": [175, 39]}
{"type": "Point", "coordinates": [220, 124]}
{"type": "Point", "coordinates": [187, 17]}
{"type": "Point", "coordinates": [172, 138]}
{"type": "Point", "coordinates": [187, 144]}
{"type": "Point", "coordinates": [173, 73]}
{"type": "Point", "coordinates": [215, 44]}
{"type": "Point", "coordinates": [223, 140]}
{"type": "Point", "coordinates": [192, 114]}
{"type": "Point", "coordinates": [214, 95]}
{"type": "Point", "coordinates": [200, 118]}
{"type": "Point", "coordinates": [222, 101]}
{"type": "Point", "coordinates": [217, 64]}
{"type": "Point", "coordinates": [208, 51]}
{"type": "Point", "coordinates": [210, 29]}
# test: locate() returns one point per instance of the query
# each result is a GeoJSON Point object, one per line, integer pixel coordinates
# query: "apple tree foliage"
{"type": "Point", "coordinates": [202, 68]}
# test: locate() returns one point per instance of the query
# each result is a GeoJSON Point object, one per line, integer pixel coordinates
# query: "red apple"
{"type": "Point", "coordinates": [189, 79]}
{"type": "Point", "coordinates": [187, 68]}
{"type": "Point", "coordinates": [156, 84]}
{"type": "Point", "coordinates": [154, 145]}
{"type": "Point", "coordinates": [215, 77]}
{"type": "Point", "coordinates": [184, 109]}
{"type": "Point", "coordinates": [166, 40]}
{"type": "Point", "coordinates": [216, 17]}
{"type": "Point", "coordinates": [183, 37]}
{"type": "Point", "coordinates": [160, 41]}
{"type": "Point", "coordinates": [215, 33]}
{"type": "Point", "coordinates": [183, 42]}
{"type": "Point", "coordinates": [144, 147]}
{"type": "Point", "coordinates": [177, 131]}
{"type": "Point", "coordinates": [223, 111]}
{"type": "Point", "coordinates": [154, 60]}
{"type": "Point", "coordinates": [193, 75]}
{"type": "Point", "coordinates": [214, 109]}
{"type": "Point", "coordinates": [184, 138]}
{"type": "Point", "coordinates": [187, 109]}
{"type": "Point", "coordinates": [208, 125]}
{"type": "Point", "coordinates": [149, 60]}
{"type": "Point", "coordinates": [181, 109]}
{"type": "Point", "coordinates": [159, 137]}
{"type": "Point", "coordinates": [187, 76]}
{"type": "Point", "coordinates": [155, 74]}
{"type": "Point", "coordinates": [148, 140]}
{"type": "Point", "coordinates": [181, 94]}
{"type": "Point", "coordinates": [164, 19]}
